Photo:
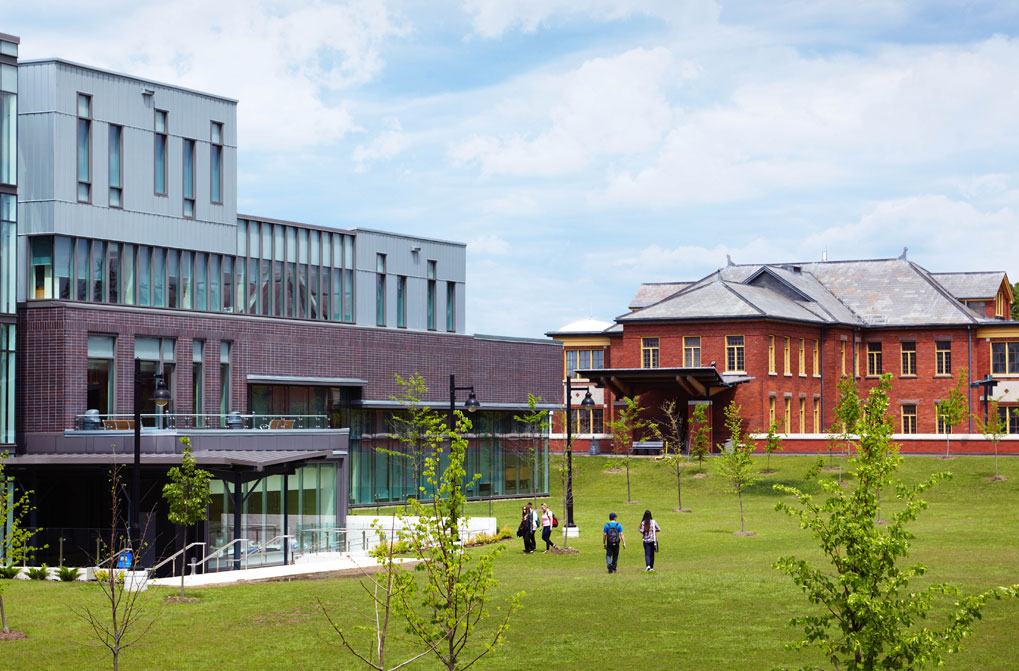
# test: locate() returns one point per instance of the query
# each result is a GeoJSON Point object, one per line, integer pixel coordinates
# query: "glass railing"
{"type": "Point", "coordinates": [93, 421]}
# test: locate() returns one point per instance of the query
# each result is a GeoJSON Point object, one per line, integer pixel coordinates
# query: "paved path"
{"type": "Point", "coordinates": [306, 566]}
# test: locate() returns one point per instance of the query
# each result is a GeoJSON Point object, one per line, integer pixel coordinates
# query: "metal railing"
{"type": "Point", "coordinates": [175, 420]}
{"type": "Point", "coordinates": [173, 566]}
{"type": "Point", "coordinates": [251, 548]}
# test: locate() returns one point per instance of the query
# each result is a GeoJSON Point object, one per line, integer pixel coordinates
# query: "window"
{"type": "Point", "coordinates": [788, 415]}
{"type": "Point", "coordinates": [431, 296]}
{"type": "Point", "coordinates": [771, 354]}
{"type": "Point", "coordinates": [159, 156]}
{"type": "Point", "coordinates": [113, 280]}
{"type": "Point", "coordinates": [943, 426]}
{"type": "Point", "coordinates": [999, 305]}
{"type": "Point", "coordinates": [803, 415]}
{"type": "Point", "coordinates": [7, 379]}
{"type": "Point", "coordinates": [1005, 358]}
{"type": "Point", "coordinates": [401, 301]}
{"type": "Point", "coordinates": [943, 357]}
{"type": "Point", "coordinates": [98, 271]}
{"type": "Point", "coordinates": [908, 355]}
{"type": "Point", "coordinates": [1009, 418]}
{"type": "Point", "coordinates": [817, 415]}
{"type": "Point", "coordinates": [116, 159]}
{"type": "Point", "coordinates": [803, 357]}
{"type": "Point", "coordinates": [843, 357]}
{"type": "Point", "coordinates": [586, 420]}
{"type": "Point", "coordinates": [8, 124]}
{"type": "Point", "coordinates": [649, 352]}
{"type": "Point", "coordinates": [157, 357]}
{"type": "Point", "coordinates": [216, 164]}
{"type": "Point", "coordinates": [172, 277]}
{"type": "Point", "coordinates": [197, 381]}
{"type": "Point", "coordinates": [583, 360]}
{"type": "Point", "coordinates": [771, 411]}
{"type": "Point", "coordinates": [734, 359]}
{"type": "Point", "coordinates": [786, 363]}
{"type": "Point", "coordinates": [908, 419]}
{"type": "Point", "coordinates": [450, 306]}
{"type": "Point", "coordinates": [380, 289]}
{"type": "Point", "coordinates": [200, 281]}
{"type": "Point", "coordinates": [224, 379]}
{"type": "Point", "coordinates": [856, 359]}
{"type": "Point", "coordinates": [816, 371]}
{"type": "Point", "coordinates": [42, 266]}
{"type": "Point", "coordinates": [84, 148]}
{"type": "Point", "coordinates": [692, 351]}
{"type": "Point", "coordinates": [873, 358]}
{"type": "Point", "coordinates": [100, 395]}
{"type": "Point", "coordinates": [189, 179]}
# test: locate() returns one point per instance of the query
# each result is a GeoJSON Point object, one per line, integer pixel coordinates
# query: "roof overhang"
{"type": "Point", "coordinates": [243, 459]}
{"type": "Point", "coordinates": [307, 381]}
{"type": "Point", "coordinates": [697, 382]}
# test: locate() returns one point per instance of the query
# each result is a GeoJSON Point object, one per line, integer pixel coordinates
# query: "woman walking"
{"type": "Point", "coordinates": [649, 530]}
{"type": "Point", "coordinates": [528, 524]}
{"type": "Point", "coordinates": [547, 522]}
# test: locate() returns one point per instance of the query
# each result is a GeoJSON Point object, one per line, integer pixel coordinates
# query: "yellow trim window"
{"type": "Point", "coordinates": [943, 426]}
{"type": "Point", "coordinates": [803, 357]}
{"type": "Point", "coordinates": [1004, 358]}
{"type": "Point", "coordinates": [786, 365]}
{"type": "Point", "coordinates": [817, 359]}
{"type": "Point", "coordinates": [649, 352]}
{"type": "Point", "coordinates": [908, 353]}
{"type": "Point", "coordinates": [771, 354]}
{"type": "Point", "coordinates": [803, 415]}
{"type": "Point", "coordinates": [771, 411]}
{"type": "Point", "coordinates": [692, 351]}
{"type": "Point", "coordinates": [908, 418]}
{"type": "Point", "coordinates": [873, 358]}
{"type": "Point", "coordinates": [817, 415]}
{"type": "Point", "coordinates": [856, 359]}
{"type": "Point", "coordinates": [999, 305]}
{"type": "Point", "coordinates": [843, 358]}
{"type": "Point", "coordinates": [735, 361]}
{"type": "Point", "coordinates": [943, 357]}
{"type": "Point", "coordinates": [788, 414]}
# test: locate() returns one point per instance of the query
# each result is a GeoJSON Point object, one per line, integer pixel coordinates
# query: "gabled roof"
{"type": "Point", "coordinates": [652, 292]}
{"type": "Point", "coordinates": [978, 285]}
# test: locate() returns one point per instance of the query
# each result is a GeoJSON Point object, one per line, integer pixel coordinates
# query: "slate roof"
{"type": "Point", "coordinates": [881, 292]}
{"type": "Point", "coordinates": [652, 292]}
{"type": "Point", "coordinates": [971, 285]}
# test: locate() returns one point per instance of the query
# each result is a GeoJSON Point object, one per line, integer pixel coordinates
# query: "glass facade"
{"type": "Point", "coordinates": [8, 124]}
{"type": "Point", "coordinates": [8, 234]}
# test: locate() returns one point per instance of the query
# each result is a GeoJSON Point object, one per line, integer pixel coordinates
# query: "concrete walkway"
{"type": "Point", "coordinates": [307, 566]}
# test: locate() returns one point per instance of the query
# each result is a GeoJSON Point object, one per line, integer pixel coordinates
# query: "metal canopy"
{"type": "Point", "coordinates": [255, 459]}
{"type": "Point", "coordinates": [698, 382]}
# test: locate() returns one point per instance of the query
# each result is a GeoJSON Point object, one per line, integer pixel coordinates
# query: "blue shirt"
{"type": "Point", "coordinates": [606, 529]}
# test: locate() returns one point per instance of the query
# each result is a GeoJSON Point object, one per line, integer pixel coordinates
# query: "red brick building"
{"type": "Point", "coordinates": [777, 338]}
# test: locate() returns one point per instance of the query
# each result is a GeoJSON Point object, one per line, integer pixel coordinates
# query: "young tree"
{"type": "Point", "coordinates": [994, 429]}
{"type": "Point", "coordinates": [628, 426]}
{"type": "Point", "coordinates": [15, 539]}
{"type": "Point", "coordinates": [670, 429]}
{"type": "Point", "coordinates": [536, 422]}
{"type": "Point", "coordinates": [772, 443]}
{"type": "Point", "coordinates": [125, 621]}
{"type": "Point", "coordinates": [188, 495]}
{"type": "Point", "coordinates": [415, 424]}
{"type": "Point", "coordinates": [700, 435]}
{"type": "Point", "coordinates": [735, 463]}
{"type": "Point", "coordinates": [954, 409]}
{"type": "Point", "coordinates": [870, 617]}
{"type": "Point", "coordinates": [847, 415]}
{"type": "Point", "coordinates": [448, 612]}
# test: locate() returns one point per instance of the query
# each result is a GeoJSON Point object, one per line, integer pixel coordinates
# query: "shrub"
{"type": "Point", "coordinates": [68, 574]}
{"type": "Point", "coordinates": [9, 572]}
{"type": "Point", "coordinates": [101, 575]}
{"type": "Point", "coordinates": [39, 573]}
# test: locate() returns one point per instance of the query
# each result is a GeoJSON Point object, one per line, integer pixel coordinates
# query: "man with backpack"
{"type": "Point", "coordinates": [612, 536]}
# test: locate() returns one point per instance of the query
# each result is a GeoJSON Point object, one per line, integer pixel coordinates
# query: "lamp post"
{"type": "Point", "coordinates": [587, 402]}
{"type": "Point", "coordinates": [161, 396]}
{"type": "Point", "coordinates": [472, 405]}
{"type": "Point", "coordinates": [988, 384]}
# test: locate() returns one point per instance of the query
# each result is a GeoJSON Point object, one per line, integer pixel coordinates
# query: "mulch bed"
{"type": "Point", "coordinates": [564, 551]}
{"type": "Point", "coordinates": [699, 476]}
{"type": "Point", "coordinates": [181, 599]}
{"type": "Point", "coordinates": [996, 478]}
{"type": "Point", "coordinates": [12, 635]}
{"type": "Point", "coordinates": [745, 533]}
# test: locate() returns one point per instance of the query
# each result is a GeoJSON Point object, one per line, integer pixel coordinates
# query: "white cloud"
{"type": "Point", "coordinates": [285, 63]}
{"type": "Point", "coordinates": [384, 146]}
{"type": "Point", "coordinates": [489, 244]}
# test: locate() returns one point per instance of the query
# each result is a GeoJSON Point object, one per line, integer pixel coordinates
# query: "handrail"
{"type": "Point", "coordinates": [220, 550]}
{"type": "Point", "coordinates": [174, 556]}
{"type": "Point", "coordinates": [281, 537]}
{"type": "Point", "coordinates": [247, 554]}
{"type": "Point", "coordinates": [186, 420]}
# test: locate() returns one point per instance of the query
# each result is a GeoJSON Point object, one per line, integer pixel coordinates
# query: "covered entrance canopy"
{"type": "Point", "coordinates": [701, 382]}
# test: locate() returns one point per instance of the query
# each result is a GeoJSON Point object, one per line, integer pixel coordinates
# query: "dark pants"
{"type": "Point", "coordinates": [611, 556]}
{"type": "Point", "coordinates": [649, 554]}
{"type": "Point", "coordinates": [529, 542]}
{"type": "Point", "coordinates": [546, 535]}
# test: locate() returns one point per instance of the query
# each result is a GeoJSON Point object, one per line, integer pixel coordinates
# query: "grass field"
{"type": "Point", "coordinates": [714, 602]}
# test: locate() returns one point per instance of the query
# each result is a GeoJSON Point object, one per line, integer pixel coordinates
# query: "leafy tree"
{"type": "Point", "coordinates": [1015, 306]}
{"type": "Point", "coordinates": [847, 415]}
{"type": "Point", "coordinates": [188, 495]}
{"type": "Point", "coordinates": [449, 611]}
{"type": "Point", "coordinates": [700, 435]}
{"type": "Point", "coordinates": [994, 429]}
{"type": "Point", "coordinates": [670, 429]}
{"type": "Point", "coordinates": [772, 443]}
{"type": "Point", "coordinates": [15, 539]}
{"type": "Point", "coordinates": [628, 426]}
{"type": "Point", "coordinates": [415, 424]}
{"type": "Point", "coordinates": [870, 617]}
{"type": "Point", "coordinates": [954, 409]}
{"type": "Point", "coordinates": [735, 463]}
{"type": "Point", "coordinates": [536, 422]}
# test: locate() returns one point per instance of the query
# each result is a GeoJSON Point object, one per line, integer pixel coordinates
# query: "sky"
{"type": "Point", "coordinates": [582, 148]}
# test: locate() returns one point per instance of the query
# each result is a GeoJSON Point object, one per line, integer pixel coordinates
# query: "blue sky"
{"type": "Point", "coordinates": [581, 148]}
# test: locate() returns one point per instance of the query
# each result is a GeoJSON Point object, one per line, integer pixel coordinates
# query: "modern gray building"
{"type": "Point", "coordinates": [8, 234]}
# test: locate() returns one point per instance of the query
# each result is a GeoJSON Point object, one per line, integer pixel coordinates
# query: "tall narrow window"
{"type": "Point", "coordinates": [189, 179]}
{"type": "Point", "coordinates": [224, 301]}
{"type": "Point", "coordinates": [63, 263]}
{"type": "Point", "coordinates": [216, 164]}
{"type": "Point", "coordinates": [172, 277]}
{"type": "Point", "coordinates": [224, 379]}
{"type": "Point", "coordinates": [788, 417]}
{"type": "Point", "coordinates": [734, 354]}
{"type": "Point", "coordinates": [450, 306]}
{"type": "Point", "coordinates": [159, 155]}
{"type": "Point", "coordinates": [771, 354]}
{"type": "Point", "coordinates": [98, 271]}
{"type": "Point", "coordinates": [81, 258]}
{"type": "Point", "coordinates": [843, 356]}
{"type": "Point", "coordinates": [431, 296]}
{"type": "Point", "coordinates": [197, 381]}
{"type": "Point", "coordinates": [348, 278]}
{"type": "Point", "coordinates": [101, 359]}
{"type": "Point", "coordinates": [943, 357]}
{"type": "Point", "coordinates": [144, 277]}
{"type": "Point", "coordinates": [817, 360]}
{"type": "Point", "coordinates": [803, 357]}
{"type": "Point", "coordinates": [116, 161]}
{"type": "Point", "coordinates": [908, 355]}
{"type": "Point", "coordinates": [873, 358]}
{"type": "Point", "coordinates": [158, 277]}
{"type": "Point", "coordinates": [380, 289]}
{"type": "Point", "coordinates": [128, 289]}
{"type": "Point", "coordinates": [571, 362]}
{"type": "Point", "coordinates": [649, 352]}
{"type": "Point", "coordinates": [787, 366]}
{"type": "Point", "coordinates": [691, 352]}
{"type": "Point", "coordinates": [8, 125]}
{"type": "Point", "coordinates": [817, 415]}
{"type": "Point", "coordinates": [201, 286]}
{"type": "Point", "coordinates": [113, 272]}
{"type": "Point", "coordinates": [909, 419]}
{"type": "Point", "coordinates": [771, 411]}
{"type": "Point", "coordinates": [856, 359]}
{"type": "Point", "coordinates": [401, 301]}
{"type": "Point", "coordinates": [84, 148]}
{"type": "Point", "coordinates": [187, 290]}
{"type": "Point", "coordinates": [157, 357]}
{"type": "Point", "coordinates": [803, 415]}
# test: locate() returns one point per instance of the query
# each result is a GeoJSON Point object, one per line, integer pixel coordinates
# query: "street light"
{"type": "Point", "coordinates": [988, 384]}
{"type": "Point", "coordinates": [471, 403]}
{"type": "Point", "coordinates": [586, 402]}
{"type": "Point", "coordinates": [161, 396]}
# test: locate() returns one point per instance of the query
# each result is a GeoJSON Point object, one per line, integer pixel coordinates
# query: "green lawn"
{"type": "Point", "coordinates": [714, 602]}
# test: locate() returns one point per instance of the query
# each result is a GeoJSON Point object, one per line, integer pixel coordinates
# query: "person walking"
{"type": "Point", "coordinates": [548, 521]}
{"type": "Point", "coordinates": [611, 537]}
{"type": "Point", "coordinates": [529, 524]}
{"type": "Point", "coordinates": [649, 531]}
